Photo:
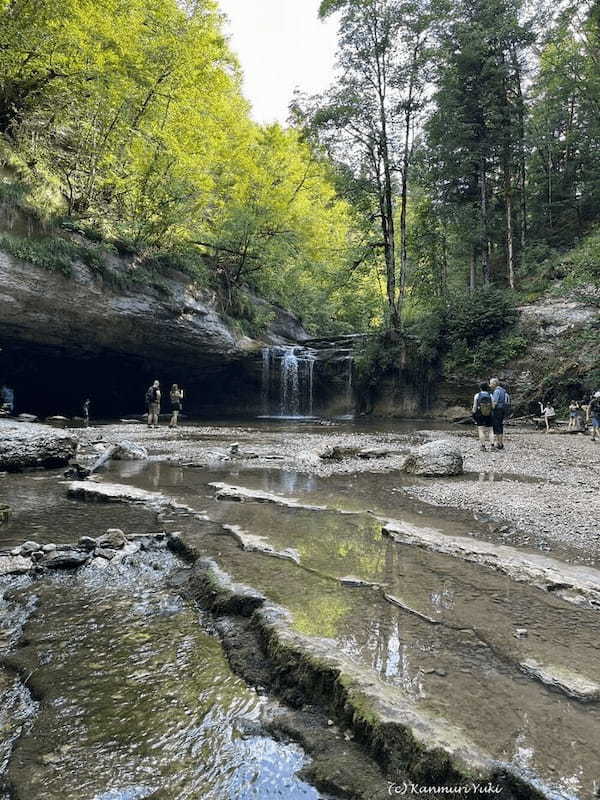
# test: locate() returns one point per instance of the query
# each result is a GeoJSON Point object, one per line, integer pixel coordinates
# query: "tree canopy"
{"type": "Point", "coordinates": [458, 148]}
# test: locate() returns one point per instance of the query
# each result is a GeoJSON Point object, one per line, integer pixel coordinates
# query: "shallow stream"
{"type": "Point", "coordinates": [124, 693]}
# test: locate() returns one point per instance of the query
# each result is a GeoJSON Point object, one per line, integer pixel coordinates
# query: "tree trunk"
{"type": "Point", "coordinates": [408, 118]}
{"type": "Point", "coordinates": [522, 157]}
{"type": "Point", "coordinates": [509, 225]}
{"type": "Point", "coordinates": [473, 271]}
{"type": "Point", "coordinates": [486, 249]}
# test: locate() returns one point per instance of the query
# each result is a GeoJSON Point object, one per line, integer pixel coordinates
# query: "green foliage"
{"type": "Point", "coordinates": [123, 130]}
{"type": "Point", "coordinates": [485, 313]}
{"type": "Point", "coordinates": [53, 254]}
{"type": "Point", "coordinates": [479, 332]}
{"type": "Point", "coordinates": [582, 263]}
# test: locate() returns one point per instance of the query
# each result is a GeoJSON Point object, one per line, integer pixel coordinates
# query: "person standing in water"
{"type": "Point", "coordinates": [176, 398]}
{"type": "Point", "coordinates": [482, 414]}
{"type": "Point", "coordinates": [153, 403]}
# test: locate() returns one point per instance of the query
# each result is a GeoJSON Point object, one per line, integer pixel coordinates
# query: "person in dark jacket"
{"type": "Point", "coordinates": [482, 414]}
{"type": "Point", "coordinates": [501, 408]}
{"type": "Point", "coordinates": [153, 404]}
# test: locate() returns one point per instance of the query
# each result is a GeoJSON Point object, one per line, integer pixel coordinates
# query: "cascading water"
{"type": "Point", "coordinates": [349, 392]}
{"type": "Point", "coordinates": [287, 381]}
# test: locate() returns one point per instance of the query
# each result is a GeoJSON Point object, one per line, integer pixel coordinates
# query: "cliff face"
{"type": "Point", "coordinates": [74, 336]}
{"type": "Point", "coordinates": [563, 336]}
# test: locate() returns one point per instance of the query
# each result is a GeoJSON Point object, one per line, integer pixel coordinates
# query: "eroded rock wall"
{"type": "Point", "coordinates": [63, 339]}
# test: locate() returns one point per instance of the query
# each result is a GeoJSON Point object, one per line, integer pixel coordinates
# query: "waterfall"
{"type": "Point", "coordinates": [311, 375]}
{"type": "Point", "coordinates": [287, 381]}
{"type": "Point", "coordinates": [266, 379]}
{"type": "Point", "coordinates": [349, 393]}
{"type": "Point", "coordinates": [290, 384]}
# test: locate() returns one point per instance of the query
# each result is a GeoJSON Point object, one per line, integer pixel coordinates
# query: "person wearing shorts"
{"type": "Point", "coordinates": [153, 401]}
{"type": "Point", "coordinates": [593, 415]}
{"type": "Point", "coordinates": [482, 414]}
{"type": "Point", "coordinates": [176, 398]}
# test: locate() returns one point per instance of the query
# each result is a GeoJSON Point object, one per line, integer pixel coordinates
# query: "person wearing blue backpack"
{"type": "Point", "coordinates": [482, 414]}
{"type": "Point", "coordinates": [501, 409]}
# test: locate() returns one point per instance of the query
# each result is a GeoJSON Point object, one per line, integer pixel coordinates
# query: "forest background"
{"type": "Point", "coordinates": [451, 173]}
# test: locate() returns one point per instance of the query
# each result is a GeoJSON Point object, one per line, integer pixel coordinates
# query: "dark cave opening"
{"type": "Point", "coordinates": [51, 381]}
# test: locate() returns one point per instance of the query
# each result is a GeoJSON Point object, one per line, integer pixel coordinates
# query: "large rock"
{"type": "Point", "coordinates": [563, 680]}
{"type": "Point", "coordinates": [434, 459]}
{"type": "Point", "coordinates": [14, 565]}
{"type": "Point", "coordinates": [113, 539]}
{"type": "Point", "coordinates": [65, 559]}
{"type": "Point", "coordinates": [129, 451]}
{"type": "Point", "coordinates": [23, 444]}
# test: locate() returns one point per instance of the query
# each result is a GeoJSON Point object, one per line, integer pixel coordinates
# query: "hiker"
{"type": "Point", "coordinates": [548, 414]}
{"type": "Point", "coordinates": [176, 397]}
{"type": "Point", "coordinates": [573, 406]}
{"type": "Point", "coordinates": [7, 400]}
{"type": "Point", "coordinates": [500, 410]}
{"type": "Point", "coordinates": [593, 415]}
{"type": "Point", "coordinates": [86, 412]}
{"type": "Point", "coordinates": [579, 418]}
{"type": "Point", "coordinates": [153, 404]}
{"type": "Point", "coordinates": [482, 414]}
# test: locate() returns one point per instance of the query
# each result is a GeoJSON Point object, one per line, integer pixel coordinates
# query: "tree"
{"type": "Point", "coordinates": [475, 134]}
{"type": "Point", "coordinates": [564, 129]}
{"type": "Point", "coordinates": [367, 121]}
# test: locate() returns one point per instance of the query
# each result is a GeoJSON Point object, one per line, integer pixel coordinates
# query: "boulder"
{"type": "Point", "coordinates": [29, 547]}
{"type": "Point", "coordinates": [14, 565]}
{"type": "Point", "coordinates": [438, 458]}
{"type": "Point", "coordinates": [563, 680]}
{"type": "Point", "coordinates": [65, 559]}
{"type": "Point", "coordinates": [25, 444]}
{"type": "Point", "coordinates": [129, 451]}
{"type": "Point", "coordinates": [87, 542]}
{"type": "Point", "coordinates": [57, 421]}
{"type": "Point", "coordinates": [26, 418]}
{"type": "Point", "coordinates": [113, 539]}
{"type": "Point", "coordinates": [107, 553]}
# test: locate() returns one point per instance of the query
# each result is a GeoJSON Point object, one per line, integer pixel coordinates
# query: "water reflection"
{"type": "Point", "coordinates": [137, 699]}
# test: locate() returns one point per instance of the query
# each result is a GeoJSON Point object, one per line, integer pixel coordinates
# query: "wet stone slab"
{"type": "Point", "coordinates": [136, 700]}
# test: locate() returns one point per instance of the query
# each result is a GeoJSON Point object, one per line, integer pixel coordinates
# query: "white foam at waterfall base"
{"type": "Point", "coordinates": [287, 382]}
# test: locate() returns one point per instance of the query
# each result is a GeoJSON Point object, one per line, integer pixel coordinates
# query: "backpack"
{"type": "Point", "coordinates": [484, 404]}
{"type": "Point", "coordinates": [150, 395]}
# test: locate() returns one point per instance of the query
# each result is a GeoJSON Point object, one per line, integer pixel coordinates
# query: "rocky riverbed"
{"type": "Point", "coordinates": [350, 575]}
{"type": "Point", "coordinates": [542, 490]}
